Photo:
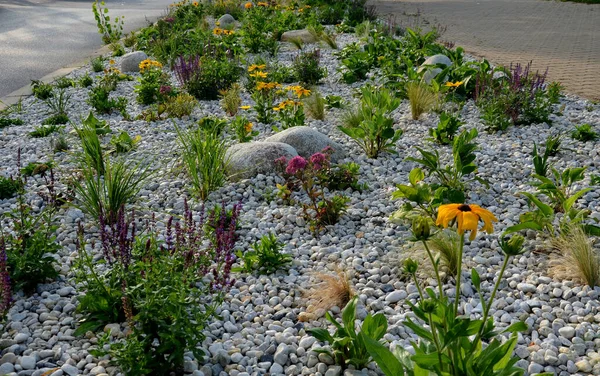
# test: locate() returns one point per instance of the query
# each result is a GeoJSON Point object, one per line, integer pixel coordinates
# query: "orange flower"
{"type": "Point", "coordinates": [248, 127]}
{"type": "Point", "coordinates": [248, 5]}
{"type": "Point", "coordinates": [254, 67]}
{"type": "Point", "coordinates": [467, 217]}
{"type": "Point", "coordinates": [259, 75]}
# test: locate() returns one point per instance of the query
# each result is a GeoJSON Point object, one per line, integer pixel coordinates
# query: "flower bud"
{"type": "Point", "coordinates": [514, 246]}
{"type": "Point", "coordinates": [420, 228]}
{"type": "Point", "coordinates": [410, 266]}
{"type": "Point", "coordinates": [428, 305]}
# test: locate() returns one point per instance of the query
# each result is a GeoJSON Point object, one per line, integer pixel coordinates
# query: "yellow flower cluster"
{"type": "Point", "coordinates": [286, 103]}
{"type": "Point", "coordinates": [254, 67]}
{"type": "Point", "coordinates": [267, 85]}
{"type": "Point", "coordinates": [259, 74]}
{"type": "Point", "coordinates": [219, 31]}
{"type": "Point", "coordinates": [148, 64]}
{"type": "Point", "coordinates": [262, 4]}
{"type": "Point", "coordinates": [454, 84]}
{"type": "Point", "coordinates": [299, 91]}
{"type": "Point", "coordinates": [248, 5]}
{"type": "Point", "coordinates": [248, 127]}
{"type": "Point", "coordinates": [245, 107]}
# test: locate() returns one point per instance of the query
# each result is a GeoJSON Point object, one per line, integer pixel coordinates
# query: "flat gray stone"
{"type": "Point", "coordinates": [307, 142]}
{"type": "Point", "coordinates": [252, 158]}
{"type": "Point", "coordinates": [304, 35]}
{"type": "Point", "coordinates": [131, 61]}
{"type": "Point", "coordinates": [430, 64]}
{"type": "Point", "coordinates": [225, 21]}
{"type": "Point", "coordinates": [27, 362]}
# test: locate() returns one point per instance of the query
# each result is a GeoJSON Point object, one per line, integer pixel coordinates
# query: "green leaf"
{"type": "Point", "coordinates": [321, 334]}
{"type": "Point", "coordinates": [524, 226]}
{"type": "Point", "coordinates": [416, 175]}
{"type": "Point", "coordinates": [384, 358]}
{"type": "Point", "coordinates": [475, 279]}
{"type": "Point", "coordinates": [516, 327]}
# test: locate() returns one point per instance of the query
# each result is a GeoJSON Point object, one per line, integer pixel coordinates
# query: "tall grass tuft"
{"type": "Point", "coordinates": [447, 245]}
{"type": "Point", "coordinates": [231, 99]}
{"type": "Point", "coordinates": [315, 105]}
{"type": "Point", "coordinates": [92, 156]}
{"type": "Point", "coordinates": [205, 159]}
{"type": "Point", "coordinates": [103, 196]}
{"type": "Point", "coordinates": [422, 98]}
{"type": "Point", "coordinates": [329, 290]}
{"type": "Point", "coordinates": [577, 259]}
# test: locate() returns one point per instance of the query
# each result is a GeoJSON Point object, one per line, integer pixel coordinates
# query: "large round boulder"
{"type": "Point", "coordinates": [431, 64]}
{"type": "Point", "coordinates": [307, 141]}
{"type": "Point", "coordinates": [249, 159]}
{"type": "Point", "coordinates": [225, 21]}
{"type": "Point", "coordinates": [131, 61]}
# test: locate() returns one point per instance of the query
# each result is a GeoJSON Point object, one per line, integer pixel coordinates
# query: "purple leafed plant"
{"type": "Point", "coordinates": [186, 68]}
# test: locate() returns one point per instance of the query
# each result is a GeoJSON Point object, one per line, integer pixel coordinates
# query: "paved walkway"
{"type": "Point", "coordinates": [38, 37]}
{"type": "Point", "coordinates": [561, 36]}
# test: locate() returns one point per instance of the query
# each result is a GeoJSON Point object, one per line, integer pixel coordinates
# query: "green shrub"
{"type": "Point", "coordinates": [99, 99]}
{"type": "Point", "coordinates": [86, 80]}
{"type": "Point", "coordinates": [151, 81]}
{"type": "Point", "coordinates": [123, 143]}
{"type": "Point", "coordinates": [180, 105]}
{"type": "Point", "coordinates": [307, 69]}
{"type": "Point", "coordinates": [36, 168]}
{"type": "Point", "coordinates": [9, 187]}
{"type": "Point", "coordinates": [97, 64]}
{"type": "Point", "coordinates": [41, 90]}
{"type": "Point", "coordinates": [371, 126]}
{"type": "Point", "coordinates": [265, 256]}
{"type": "Point", "coordinates": [243, 128]}
{"type": "Point", "coordinates": [584, 133]}
{"type": "Point", "coordinates": [64, 82]}
{"type": "Point", "coordinates": [111, 31]}
{"type": "Point", "coordinates": [45, 130]}
{"type": "Point", "coordinates": [446, 129]}
{"type": "Point", "coordinates": [5, 122]}
{"type": "Point", "coordinates": [208, 77]}
{"type": "Point", "coordinates": [347, 344]}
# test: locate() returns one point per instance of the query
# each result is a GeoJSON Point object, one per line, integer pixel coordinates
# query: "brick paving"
{"type": "Point", "coordinates": [561, 36]}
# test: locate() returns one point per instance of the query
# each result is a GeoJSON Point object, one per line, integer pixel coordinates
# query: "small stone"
{"type": "Point", "coordinates": [584, 366]}
{"type": "Point", "coordinates": [276, 369]}
{"type": "Point", "coordinates": [568, 332]}
{"type": "Point", "coordinates": [281, 355]}
{"type": "Point", "coordinates": [70, 370]}
{"type": "Point", "coordinates": [526, 287]}
{"type": "Point", "coordinates": [334, 371]}
{"type": "Point", "coordinates": [396, 296]}
{"type": "Point", "coordinates": [27, 362]}
{"type": "Point", "coordinates": [131, 61]}
{"type": "Point", "coordinates": [21, 337]}
{"type": "Point", "coordinates": [307, 342]}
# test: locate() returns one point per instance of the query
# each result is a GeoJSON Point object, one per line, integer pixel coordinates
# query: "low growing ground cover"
{"type": "Point", "coordinates": [382, 173]}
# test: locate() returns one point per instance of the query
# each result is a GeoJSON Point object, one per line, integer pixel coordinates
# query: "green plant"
{"type": "Point", "coordinates": [554, 92]}
{"type": "Point", "coordinates": [37, 168]}
{"type": "Point", "coordinates": [130, 40]}
{"type": "Point", "coordinates": [29, 238]}
{"type": "Point", "coordinates": [450, 343]}
{"type": "Point", "coordinates": [447, 245]}
{"type": "Point", "coordinates": [58, 104]}
{"type": "Point", "coordinates": [540, 162]}
{"type": "Point", "coordinates": [422, 98]}
{"type": "Point", "coordinates": [166, 297]}
{"type": "Point", "coordinates": [181, 105]}
{"type": "Point", "coordinates": [103, 195]}
{"type": "Point", "coordinates": [446, 129]}
{"type": "Point", "coordinates": [5, 122]}
{"type": "Point", "coordinates": [450, 179]}
{"type": "Point", "coordinates": [59, 143]}
{"type": "Point", "coordinates": [64, 82]}
{"type": "Point", "coordinates": [151, 83]}
{"type": "Point", "coordinates": [9, 187]}
{"type": "Point", "coordinates": [576, 259]}
{"type": "Point", "coordinates": [333, 101]}
{"type": "Point", "coordinates": [343, 176]}
{"type": "Point", "coordinates": [93, 156]}
{"type": "Point", "coordinates": [231, 99]}
{"type": "Point", "coordinates": [355, 67]}
{"type": "Point", "coordinates": [123, 143]}
{"type": "Point", "coordinates": [315, 105]}
{"type": "Point", "coordinates": [86, 80]}
{"type": "Point", "coordinates": [347, 343]}
{"type": "Point", "coordinates": [371, 125]}
{"type": "Point", "coordinates": [306, 68]}
{"type": "Point", "coordinates": [243, 128]}
{"type": "Point", "coordinates": [205, 159]}
{"type": "Point", "coordinates": [41, 90]}
{"type": "Point", "coordinates": [117, 49]}
{"type": "Point", "coordinates": [45, 130]}
{"type": "Point", "coordinates": [584, 133]}
{"type": "Point", "coordinates": [204, 77]}
{"type": "Point", "coordinates": [110, 31]}
{"type": "Point", "coordinates": [265, 256]}
{"type": "Point", "coordinates": [99, 99]}
{"type": "Point", "coordinates": [97, 64]}
{"type": "Point", "coordinates": [57, 119]}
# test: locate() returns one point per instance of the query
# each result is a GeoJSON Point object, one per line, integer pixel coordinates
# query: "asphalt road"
{"type": "Point", "coordinates": [38, 37]}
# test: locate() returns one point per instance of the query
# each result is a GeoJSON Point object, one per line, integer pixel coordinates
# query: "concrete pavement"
{"type": "Point", "coordinates": [561, 36]}
{"type": "Point", "coordinates": [38, 37]}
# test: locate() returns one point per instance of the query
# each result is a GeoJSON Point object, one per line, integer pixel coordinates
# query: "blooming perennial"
{"type": "Point", "coordinates": [467, 217]}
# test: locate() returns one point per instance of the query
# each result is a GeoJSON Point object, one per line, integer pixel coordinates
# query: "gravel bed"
{"type": "Point", "coordinates": [259, 332]}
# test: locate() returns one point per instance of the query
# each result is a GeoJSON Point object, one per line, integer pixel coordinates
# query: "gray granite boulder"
{"type": "Point", "coordinates": [251, 158]}
{"type": "Point", "coordinates": [307, 141]}
{"type": "Point", "coordinates": [226, 21]}
{"type": "Point", "coordinates": [131, 61]}
{"type": "Point", "coordinates": [430, 64]}
{"type": "Point", "coordinates": [304, 35]}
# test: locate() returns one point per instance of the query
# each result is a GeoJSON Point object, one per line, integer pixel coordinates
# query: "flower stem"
{"type": "Point", "coordinates": [489, 303]}
{"type": "Point", "coordinates": [418, 287]}
{"type": "Point", "coordinates": [435, 268]}
{"type": "Point", "coordinates": [459, 273]}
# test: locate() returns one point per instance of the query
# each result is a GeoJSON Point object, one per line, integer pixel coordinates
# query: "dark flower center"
{"type": "Point", "coordinates": [464, 208]}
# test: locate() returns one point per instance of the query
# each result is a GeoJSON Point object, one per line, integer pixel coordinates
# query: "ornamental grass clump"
{"type": "Point", "coordinates": [449, 342]}
{"type": "Point", "coordinates": [328, 290]}
{"type": "Point", "coordinates": [576, 258]}
{"type": "Point", "coordinates": [166, 284]}
{"type": "Point", "coordinates": [421, 97]}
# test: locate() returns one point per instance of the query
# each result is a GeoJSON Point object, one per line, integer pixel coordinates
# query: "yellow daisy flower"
{"type": "Point", "coordinates": [467, 217]}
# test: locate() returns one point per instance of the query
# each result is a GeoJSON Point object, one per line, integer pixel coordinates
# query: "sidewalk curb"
{"type": "Point", "coordinates": [25, 91]}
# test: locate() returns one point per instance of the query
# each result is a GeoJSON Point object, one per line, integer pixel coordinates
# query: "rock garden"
{"type": "Point", "coordinates": [297, 188]}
